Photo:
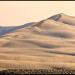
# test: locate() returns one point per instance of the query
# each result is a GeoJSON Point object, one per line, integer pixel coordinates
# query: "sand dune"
{"type": "Point", "coordinates": [41, 45]}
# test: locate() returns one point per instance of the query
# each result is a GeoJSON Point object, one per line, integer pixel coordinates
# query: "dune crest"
{"type": "Point", "coordinates": [64, 18]}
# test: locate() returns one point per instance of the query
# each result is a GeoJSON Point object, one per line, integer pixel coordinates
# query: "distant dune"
{"type": "Point", "coordinates": [39, 45]}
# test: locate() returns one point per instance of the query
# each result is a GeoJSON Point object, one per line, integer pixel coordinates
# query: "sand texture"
{"type": "Point", "coordinates": [47, 44]}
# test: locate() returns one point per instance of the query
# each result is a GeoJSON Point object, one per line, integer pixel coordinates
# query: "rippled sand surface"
{"type": "Point", "coordinates": [49, 43]}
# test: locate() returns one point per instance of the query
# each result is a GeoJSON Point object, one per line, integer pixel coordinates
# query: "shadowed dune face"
{"type": "Point", "coordinates": [64, 18]}
{"type": "Point", "coordinates": [59, 34]}
{"type": "Point", "coordinates": [48, 42]}
{"type": "Point", "coordinates": [10, 29]}
{"type": "Point", "coordinates": [56, 17]}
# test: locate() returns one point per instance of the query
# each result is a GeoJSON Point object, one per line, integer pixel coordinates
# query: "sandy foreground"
{"type": "Point", "coordinates": [21, 58]}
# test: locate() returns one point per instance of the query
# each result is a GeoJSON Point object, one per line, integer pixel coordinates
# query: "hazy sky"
{"type": "Point", "coordinates": [21, 12]}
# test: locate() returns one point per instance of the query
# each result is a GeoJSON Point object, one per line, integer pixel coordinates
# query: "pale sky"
{"type": "Point", "coordinates": [21, 12]}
